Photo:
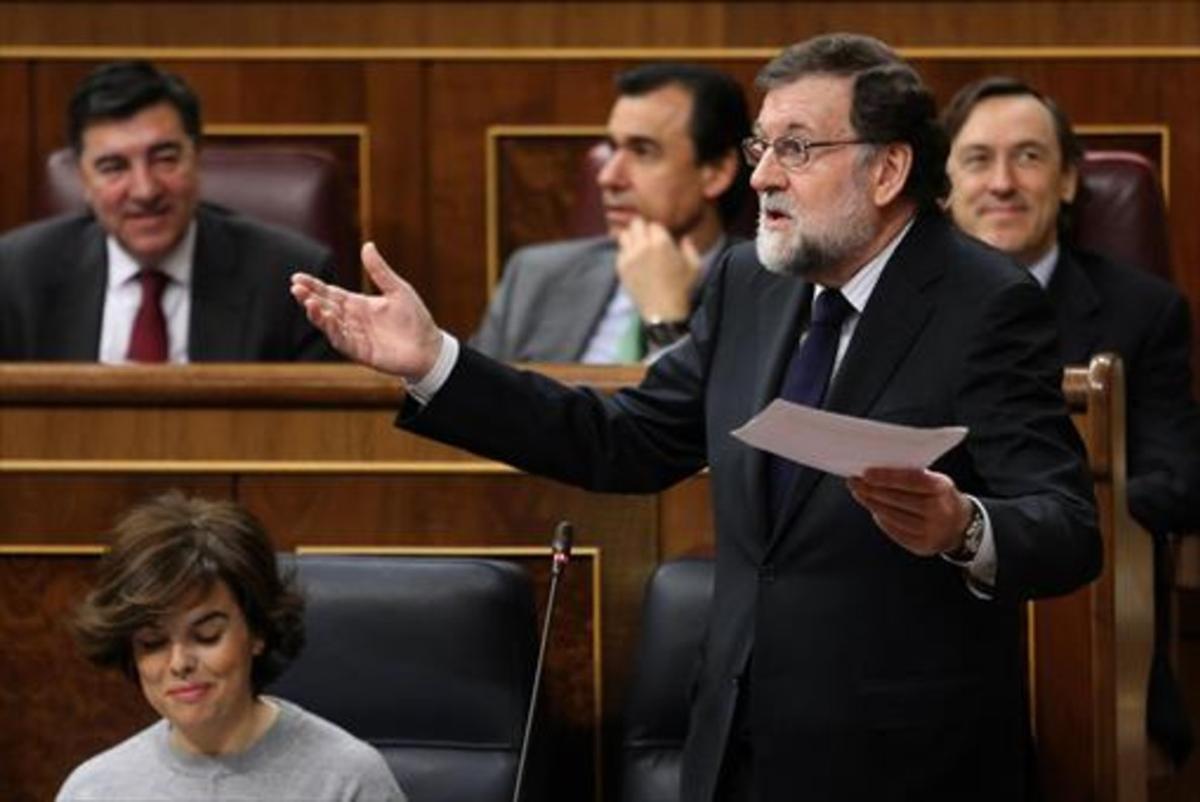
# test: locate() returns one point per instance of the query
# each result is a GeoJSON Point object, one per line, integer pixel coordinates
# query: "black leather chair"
{"type": "Point", "coordinates": [428, 659]}
{"type": "Point", "coordinates": [674, 619]}
{"type": "Point", "coordinates": [299, 187]}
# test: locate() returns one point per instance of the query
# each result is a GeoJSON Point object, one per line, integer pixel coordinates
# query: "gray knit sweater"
{"type": "Point", "coordinates": [301, 758]}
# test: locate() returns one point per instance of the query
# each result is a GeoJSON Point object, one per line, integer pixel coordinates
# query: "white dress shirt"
{"type": "Point", "coordinates": [123, 297]}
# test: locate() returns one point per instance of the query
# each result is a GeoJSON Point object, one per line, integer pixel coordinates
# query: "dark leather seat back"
{"type": "Point", "coordinates": [1119, 211]}
{"type": "Point", "coordinates": [301, 188]}
{"type": "Point", "coordinates": [428, 659]}
{"type": "Point", "coordinates": [674, 620]}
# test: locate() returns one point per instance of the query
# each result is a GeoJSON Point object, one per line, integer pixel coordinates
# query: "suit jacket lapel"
{"type": "Point", "coordinates": [73, 330]}
{"type": "Point", "coordinates": [590, 289]}
{"type": "Point", "coordinates": [781, 306]}
{"type": "Point", "coordinates": [220, 297]}
{"type": "Point", "coordinates": [1076, 309]}
{"type": "Point", "coordinates": [895, 314]}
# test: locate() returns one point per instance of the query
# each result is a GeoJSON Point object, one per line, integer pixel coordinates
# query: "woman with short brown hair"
{"type": "Point", "coordinates": [190, 604]}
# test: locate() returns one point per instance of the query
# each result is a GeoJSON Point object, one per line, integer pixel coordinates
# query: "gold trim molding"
{"type": "Point", "coordinates": [51, 550]}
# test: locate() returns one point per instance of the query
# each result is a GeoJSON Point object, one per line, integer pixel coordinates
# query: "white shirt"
{"type": "Point", "coordinates": [123, 296]}
{"type": "Point", "coordinates": [1043, 269]}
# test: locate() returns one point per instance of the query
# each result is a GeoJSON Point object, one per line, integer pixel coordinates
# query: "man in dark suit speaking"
{"type": "Point", "coordinates": [150, 274]}
{"type": "Point", "coordinates": [1014, 166]}
{"type": "Point", "coordinates": [864, 635]}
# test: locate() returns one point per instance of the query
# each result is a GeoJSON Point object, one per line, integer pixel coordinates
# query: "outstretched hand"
{"type": "Point", "coordinates": [392, 332]}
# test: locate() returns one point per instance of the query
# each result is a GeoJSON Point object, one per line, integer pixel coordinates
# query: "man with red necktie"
{"type": "Point", "coordinates": [150, 274]}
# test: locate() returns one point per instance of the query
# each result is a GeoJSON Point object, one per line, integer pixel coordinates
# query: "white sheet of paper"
{"type": "Point", "coordinates": [842, 444]}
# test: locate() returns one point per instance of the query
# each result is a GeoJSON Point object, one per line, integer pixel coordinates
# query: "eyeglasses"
{"type": "Point", "coordinates": [792, 152]}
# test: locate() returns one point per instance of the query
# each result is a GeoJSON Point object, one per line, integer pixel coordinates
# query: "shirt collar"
{"type": "Point", "coordinates": [1043, 269]}
{"type": "Point", "coordinates": [177, 264]}
{"type": "Point", "coordinates": [710, 256]}
{"type": "Point", "coordinates": [860, 286]}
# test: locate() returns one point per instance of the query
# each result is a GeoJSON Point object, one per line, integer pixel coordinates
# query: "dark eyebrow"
{"type": "Point", "coordinates": [166, 147]}
{"type": "Point", "coordinates": [109, 159]}
{"type": "Point", "coordinates": [792, 130]}
{"type": "Point", "coordinates": [210, 616]}
{"type": "Point", "coordinates": [636, 141]}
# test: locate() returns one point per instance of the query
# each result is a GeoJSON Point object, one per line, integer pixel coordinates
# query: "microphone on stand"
{"type": "Point", "coordinates": [560, 555]}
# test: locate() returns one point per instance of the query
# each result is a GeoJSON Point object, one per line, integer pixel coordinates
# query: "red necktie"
{"type": "Point", "coordinates": [148, 341]}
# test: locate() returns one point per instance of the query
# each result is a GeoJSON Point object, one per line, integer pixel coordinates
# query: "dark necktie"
{"type": "Point", "coordinates": [148, 340]}
{"type": "Point", "coordinates": [807, 379]}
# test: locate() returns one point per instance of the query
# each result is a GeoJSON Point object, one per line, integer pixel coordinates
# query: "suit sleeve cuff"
{"type": "Point", "coordinates": [424, 389]}
{"type": "Point", "coordinates": [980, 572]}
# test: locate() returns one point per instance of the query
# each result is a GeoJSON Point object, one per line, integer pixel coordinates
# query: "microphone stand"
{"type": "Point", "coordinates": [560, 548]}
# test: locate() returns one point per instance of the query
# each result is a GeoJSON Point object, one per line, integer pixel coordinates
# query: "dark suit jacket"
{"type": "Point", "coordinates": [1101, 306]}
{"type": "Point", "coordinates": [873, 673]}
{"type": "Point", "coordinates": [53, 276]}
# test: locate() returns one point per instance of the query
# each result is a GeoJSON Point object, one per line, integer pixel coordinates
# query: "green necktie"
{"type": "Point", "coordinates": [632, 345]}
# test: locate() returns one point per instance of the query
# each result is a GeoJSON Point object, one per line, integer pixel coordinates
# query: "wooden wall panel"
{"type": "Point", "coordinates": [70, 508]}
{"type": "Point", "coordinates": [66, 708]}
{"type": "Point", "coordinates": [463, 101]}
{"type": "Point", "coordinates": [590, 23]}
{"type": "Point", "coordinates": [14, 140]}
{"type": "Point", "coordinates": [397, 172]}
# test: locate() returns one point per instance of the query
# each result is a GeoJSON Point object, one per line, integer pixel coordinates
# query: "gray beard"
{"type": "Point", "coordinates": [806, 259]}
{"type": "Point", "coordinates": [812, 256]}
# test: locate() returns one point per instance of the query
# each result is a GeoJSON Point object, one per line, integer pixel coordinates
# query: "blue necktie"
{"type": "Point", "coordinates": [807, 379]}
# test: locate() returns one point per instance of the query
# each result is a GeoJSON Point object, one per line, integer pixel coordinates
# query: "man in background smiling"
{"type": "Point", "coordinates": [1014, 168]}
{"type": "Point", "coordinates": [150, 274]}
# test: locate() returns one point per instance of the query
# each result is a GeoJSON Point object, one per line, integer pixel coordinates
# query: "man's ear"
{"type": "Point", "coordinates": [1068, 184]}
{"type": "Point", "coordinates": [84, 185]}
{"type": "Point", "coordinates": [717, 175]}
{"type": "Point", "coordinates": [890, 172]}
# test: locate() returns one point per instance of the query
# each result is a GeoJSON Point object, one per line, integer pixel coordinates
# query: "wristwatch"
{"type": "Point", "coordinates": [661, 333]}
{"type": "Point", "coordinates": [972, 538]}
